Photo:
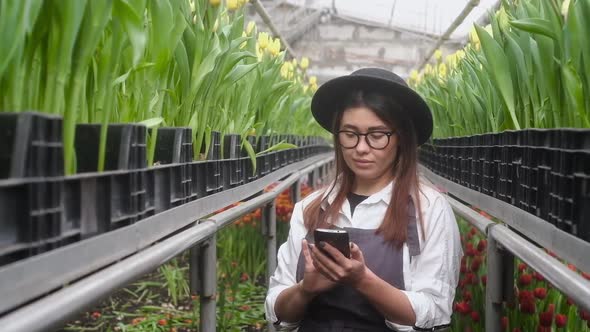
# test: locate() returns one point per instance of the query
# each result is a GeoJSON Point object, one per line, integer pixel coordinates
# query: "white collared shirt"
{"type": "Point", "coordinates": [431, 277]}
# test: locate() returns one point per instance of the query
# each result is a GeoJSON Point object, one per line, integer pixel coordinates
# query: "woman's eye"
{"type": "Point", "coordinates": [376, 136]}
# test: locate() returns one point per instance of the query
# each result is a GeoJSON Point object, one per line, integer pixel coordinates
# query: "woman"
{"type": "Point", "coordinates": [405, 245]}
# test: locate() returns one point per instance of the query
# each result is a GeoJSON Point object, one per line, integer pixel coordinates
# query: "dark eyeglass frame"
{"type": "Point", "coordinates": [358, 138]}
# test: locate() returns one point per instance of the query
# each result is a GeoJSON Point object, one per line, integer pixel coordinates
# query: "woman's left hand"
{"type": "Point", "coordinates": [340, 268]}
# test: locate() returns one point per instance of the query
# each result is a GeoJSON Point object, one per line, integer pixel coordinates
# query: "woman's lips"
{"type": "Point", "coordinates": [362, 163]}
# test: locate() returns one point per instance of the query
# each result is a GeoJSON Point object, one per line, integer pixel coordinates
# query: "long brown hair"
{"type": "Point", "coordinates": [404, 168]}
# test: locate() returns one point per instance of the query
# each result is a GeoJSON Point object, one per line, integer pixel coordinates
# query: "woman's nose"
{"type": "Point", "coordinates": [363, 146]}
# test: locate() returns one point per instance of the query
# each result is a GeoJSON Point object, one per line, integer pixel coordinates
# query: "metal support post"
{"type": "Point", "coordinates": [269, 230]}
{"type": "Point", "coordinates": [296, 191]}
{"type": "Point", "coordinates": [494, 287]}
{"type": "Point", "coordinates": [208, 287]}
{"type": "Point", "coordinates": [193, 270]}
{"type": "Point", "coordinates": [315, 178]}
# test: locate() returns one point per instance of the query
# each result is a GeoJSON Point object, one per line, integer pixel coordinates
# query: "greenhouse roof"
{"type": "Point", "coordinates": [432, 17]}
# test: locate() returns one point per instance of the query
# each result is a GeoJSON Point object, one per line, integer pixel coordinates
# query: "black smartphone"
{"type": "Point", "coordinates": [337, 238]}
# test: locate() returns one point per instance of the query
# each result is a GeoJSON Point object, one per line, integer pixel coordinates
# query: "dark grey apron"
{"type": "Point", "coordinates": [342, 308]}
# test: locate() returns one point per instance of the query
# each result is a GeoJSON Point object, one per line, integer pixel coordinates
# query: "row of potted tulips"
{"type": "Point", "coordinates": [180, 63]}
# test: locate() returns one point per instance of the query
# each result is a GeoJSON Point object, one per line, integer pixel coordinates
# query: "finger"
{"type": "Point", "coordinates": [324, 271]}
{"type": "Point", "coordinates": [355, 252]}
{"type": "Point", "coordinates": [306, 253]}
{"type": "Point", "coordinates": [325, 262]}
{"type": "Point", "coordinates": [335, 253]}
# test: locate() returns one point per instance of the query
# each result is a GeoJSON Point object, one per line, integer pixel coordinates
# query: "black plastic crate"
{"type": "Point", "coordinates": [249, 173]}
{"type": "Point", "coordinates": [174, 146]}
{"type": "Point", "coordinates": [108, 201]}
{"type": "Point", "coordinates": [231, 165]}
{"type": "Point", "coordinates": [212, 173]}
{"type": "Point", "coordinates": [574, 139]}
{"type": "Point", "coordinates": [31, 216]}
{"type": "Point", "coordinates": [125, 147]}
{"type": "Point", "coordinates": [275, 157]}
{"type": "Point", "coordinates": [172, 186]}
{"type": "Point", "coordinates": [581, 212]}
{"type": "Point", "coordinates": [30, 145]}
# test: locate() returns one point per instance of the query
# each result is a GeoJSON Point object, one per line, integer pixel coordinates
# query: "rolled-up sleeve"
{"type": "Point", "coordinates": [284, 275]}
{"type": "Point", "coordinates": [433, 275]}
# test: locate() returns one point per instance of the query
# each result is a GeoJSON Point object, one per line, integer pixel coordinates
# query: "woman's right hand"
{"type": "Point", "coordinates": [313, 281]}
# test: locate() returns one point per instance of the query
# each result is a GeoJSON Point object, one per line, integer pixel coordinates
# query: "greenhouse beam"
{"type": "Point", "coordinates": [268, 21]}
{"type": "Point", "coordinates": [445, 36]}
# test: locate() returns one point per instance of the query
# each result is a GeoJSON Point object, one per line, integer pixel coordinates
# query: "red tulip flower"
{"type": "Point", "coordinates": [475, 316]}
{"type": "Point", "coordinates": [528, 307]}
{"type": "Point", "coordinates": [546, 319]}
{"type": "Point", "coordinates": [538, 276]}
{"type": "Point", "coordinates": [504, 323]}
{"type": "Point", "coordinates": [525, 296]}
{"type": "Point", "coordinates": [540, 293]}
{"type": "Point", "coordinates": [481, 246]}
{"type": "Point", "coordinates": [463, 308]}
{"type": "Point", "coordinates": [560, 320]}
{"type": "Point", "coordinates": [525, 279]}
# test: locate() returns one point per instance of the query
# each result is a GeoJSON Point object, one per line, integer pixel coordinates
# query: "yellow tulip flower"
{"type": "Point", "coordinates": [263, 40]}
{"type": "Point", "coordinates": [313, 80]}
{"type": "Point", "coordinates": [275, 47]}
{"type": "Point", "coordinates": [460, 54]}
{"type": "Point", "coordinates": [285, 69]}
{"type": "Point", "coordinates": [304, 63]}
{"type": "Point", "coordinates": [294, 62]}
{"type": "Point", "coordinates": [214, 3]}
{"type": "Point", "coordinates": [414, 75]}
{"type": "Point", "coordinates": [437, 55]}
{"type": "Point", "coordinates": [442, 70]}
{"type": "Point", "coordinates": [232, 4]}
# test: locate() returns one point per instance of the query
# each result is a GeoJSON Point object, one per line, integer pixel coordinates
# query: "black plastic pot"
{"type": "Point", "coordinates": [30, 145]}
{"type": "Point", "coordinates": [213, 173]}
{"type": "Point", "coordinates": [247, 166]}
{"type": "Point", "coordinates": [232, 164]}
{"type": "Point", "coordinates": [125, 147]}
{"type": "Point", "coordinates": [173, 185]}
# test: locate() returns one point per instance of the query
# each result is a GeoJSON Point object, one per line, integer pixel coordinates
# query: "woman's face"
{"type": "Point", "coordinates": [366, 162]}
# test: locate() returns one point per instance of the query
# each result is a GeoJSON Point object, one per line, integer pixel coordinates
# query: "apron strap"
{"type": "Point", "coordinates": [413, 239]}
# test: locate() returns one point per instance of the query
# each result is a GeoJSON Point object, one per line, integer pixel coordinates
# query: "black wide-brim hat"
{"type": "Point", "coordinates": [326, 102]}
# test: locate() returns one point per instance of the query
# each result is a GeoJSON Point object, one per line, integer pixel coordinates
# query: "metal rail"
{"type": "Point", "coordinates": [505, 244]}
{"type": "Point", "coordinates": [572, 249]}
{"type": "Point", "coordinates": [56, 308]}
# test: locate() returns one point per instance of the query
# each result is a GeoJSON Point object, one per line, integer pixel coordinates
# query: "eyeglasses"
{"type": "Point", "coordinates": [377, 140]}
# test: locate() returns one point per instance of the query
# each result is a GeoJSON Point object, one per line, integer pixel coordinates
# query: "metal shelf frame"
{"type": "Point", "coordinates": [132, 252]}
{"type": "Point", "coordinates": [504, 244]}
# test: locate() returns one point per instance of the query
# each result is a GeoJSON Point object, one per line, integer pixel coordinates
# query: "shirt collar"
{"type": "Point", "coordinates": [382, 195]}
